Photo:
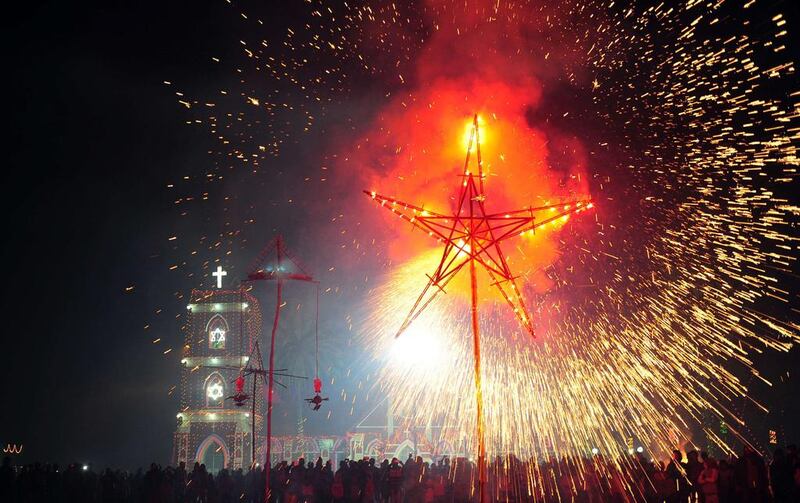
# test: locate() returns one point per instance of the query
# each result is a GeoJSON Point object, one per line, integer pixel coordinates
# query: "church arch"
{"type": "Point", "coordinates": [402, 451]}
{"type": "Point", "coordinates": [308, 449]}
{"type": "Point", "coordinates": [214, 453]}
{"type": "Point", "coordinates": [373, 449]}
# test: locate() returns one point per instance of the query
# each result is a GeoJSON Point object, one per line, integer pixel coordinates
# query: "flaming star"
{"type": "Point", "coordinates": [471, 235]}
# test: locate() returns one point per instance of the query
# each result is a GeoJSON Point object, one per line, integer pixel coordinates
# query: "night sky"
{"type": "Point", "coordinates": [97, 138]}
{"type": "Point", "coordinates": [94, 138]}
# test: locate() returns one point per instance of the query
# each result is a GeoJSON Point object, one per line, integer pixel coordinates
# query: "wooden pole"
{"type": "Point", "coordinates": [478, 387]}
{"type": "Point", "coordinates": [253, 421]}
{"type": "Point", "coordinates": [271, 379]}
{"type": "Point", "coordinates": [476, 337]}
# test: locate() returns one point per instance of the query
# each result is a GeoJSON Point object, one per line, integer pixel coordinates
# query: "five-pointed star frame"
{"type": "Point", "coordinates": [472, 234]}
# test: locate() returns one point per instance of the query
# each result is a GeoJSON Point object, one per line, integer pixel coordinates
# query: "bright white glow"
{"type": "Point", "coordinates": [179, 415]}
{"type": "Point", "coordinates": [219, 274]}
{"type": "Point", "coordinates": [424, 348]}
{"type": "Point", "coordinates": [184, 361]}
{"type": "Point", "coordinates": [245, 305]}
{"type": "Point", "coordinates": [418, 347]}
{"type": "Point", "coordinates": [465, 137]}
{"type": "Point", "coordinates": [595, 450]}
{"type": "Point", "coordinates": [212, 416]}
{"type": "Point", "coordinates": [85, 467]}
{"type": "Point", "coordinates": [463, 248]}
{"type": "Point", "coordinates": [189, 307]}
{"type": "Point", "coordinates": [217, 307]}
{"type": "Point", "coordinates": [215, 391]}
{"type": "Point", "coordinates": [246, 414]}
{"type": "Point", "coordinates": [640, 449]}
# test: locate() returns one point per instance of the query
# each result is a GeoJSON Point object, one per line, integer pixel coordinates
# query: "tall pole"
{"type": "Point", "coordinates": [475, 196]}
{"type": "Point", "coordinates": [255, 379]}
{"type": "Point", "coordinates": [271, 379]}
{"type": "Point", "coordinates": [280, 275]}
{"type": "Point", "coordinates": [253, 422]}
{"type": "Point", "coordinates": [478, 388]}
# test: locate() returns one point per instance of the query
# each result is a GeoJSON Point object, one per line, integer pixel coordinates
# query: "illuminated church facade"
{"type": "Point", "coordinates": [221, 329]}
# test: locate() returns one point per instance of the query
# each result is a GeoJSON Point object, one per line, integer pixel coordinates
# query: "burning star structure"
{"type": "Point", "coordinates": [472, 237]}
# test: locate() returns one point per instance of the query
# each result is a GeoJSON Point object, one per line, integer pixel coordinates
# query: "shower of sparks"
{"type": "Point", "coordinates": [653, 312]}
{"type": "Point", "coordinates": [642, 345]}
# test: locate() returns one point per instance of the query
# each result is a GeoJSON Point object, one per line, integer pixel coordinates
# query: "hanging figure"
{"type": "Point", "coordinates": [316, 401]}
{"type": "Point", "coordinates": [239, 397]}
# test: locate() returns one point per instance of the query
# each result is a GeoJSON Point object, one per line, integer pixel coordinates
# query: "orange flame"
{"type": "Point", "coordinates": [427, 163]}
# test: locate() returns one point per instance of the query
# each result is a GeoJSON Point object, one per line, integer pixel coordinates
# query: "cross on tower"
{"type": "Point", "coordinates": [471, 236]}
{"type": "Point", "coordinates": [219, 274]}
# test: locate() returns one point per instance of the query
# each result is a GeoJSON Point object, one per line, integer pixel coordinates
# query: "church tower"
{"type": "Point", "coordinates": [222, 327]}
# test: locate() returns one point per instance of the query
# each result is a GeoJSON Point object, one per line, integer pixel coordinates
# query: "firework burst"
{"type": "Point", "coordinates": [675, 118]}
{"type": "Point", "coordinates": [649, 316]}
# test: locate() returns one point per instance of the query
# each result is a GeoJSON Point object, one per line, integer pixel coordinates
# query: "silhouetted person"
{"type": "Point", "coordinates": [674, 472]}
{"type": "Point", "coordinates": [692, 469]}
{"type": "Point", "coordinates": [751, 477]}
{"type": "Point", "coordinates": [395, 476]}
{"type": "Point", "coordinates": [708, 481]}
{"type": "Point", "coordinates": [780, 476]}
{"type": "Point", "coordinates": [725, 482]}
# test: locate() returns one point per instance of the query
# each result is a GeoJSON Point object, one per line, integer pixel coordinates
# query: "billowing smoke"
{"type": "Point", "coordinates": [416, 146]}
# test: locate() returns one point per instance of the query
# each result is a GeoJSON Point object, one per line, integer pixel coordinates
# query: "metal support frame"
{"type": "Point", "coordinates": [279, 274]}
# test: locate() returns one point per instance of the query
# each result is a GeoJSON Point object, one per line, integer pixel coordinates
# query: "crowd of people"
{"type": "Point", "coordinates": [697, 477]}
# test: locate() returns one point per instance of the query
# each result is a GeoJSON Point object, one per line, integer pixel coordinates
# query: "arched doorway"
{"type": "Point", "coordinates": [403, 450]}
{"type": "Point", "coordinates": [373, 449]}
{"type": "Point", "coordinates": [213, 453]}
